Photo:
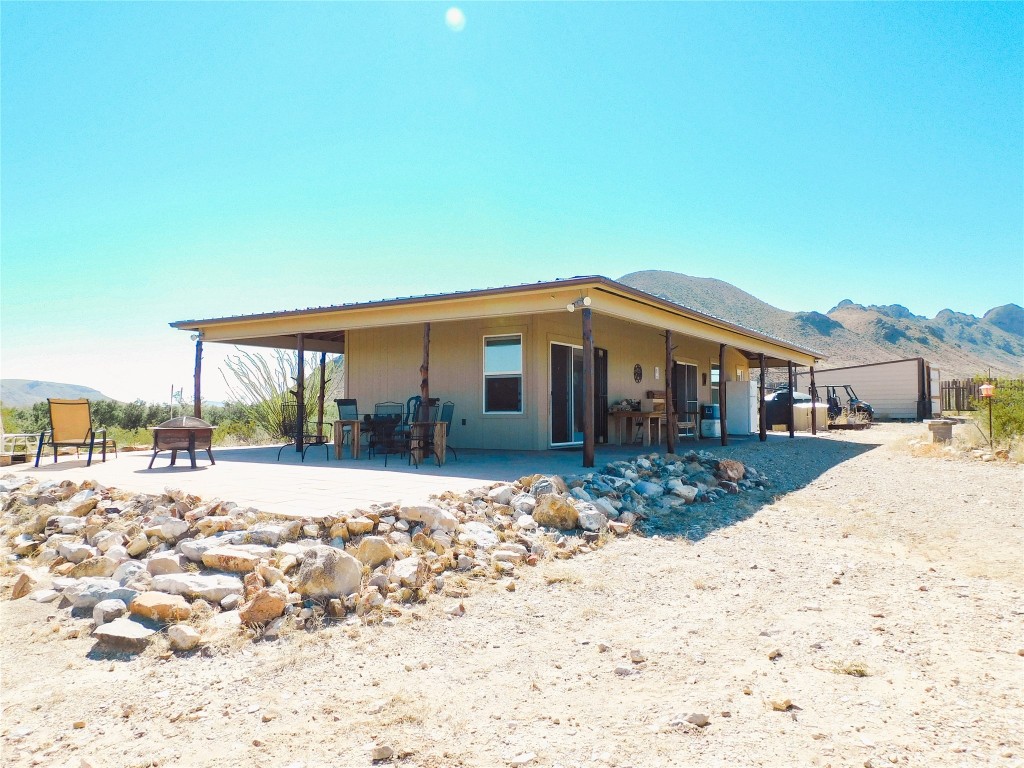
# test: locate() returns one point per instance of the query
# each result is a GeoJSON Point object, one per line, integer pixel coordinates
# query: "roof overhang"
{"type": "Point", "coordinates": [324, 328]}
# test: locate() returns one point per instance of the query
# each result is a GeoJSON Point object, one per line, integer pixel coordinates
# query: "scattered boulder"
{"type": "Point", "coordinates": [265, 606]}
{"type": "Point", "coordinates": [374, 550]}
{"type": "Point", "coordinates": [730, 469]}
{"type": "Point", "coordinates": [107, 610]}
{"type": "Point", "coordinates": [555, 511]}
{"type": "Point", "coordinates": [230, 559]}
{"type": "Point", "coordinates": [328, 572]}
{"type": "Point", "coordinates": [210, 587]}
{"type": "Point", "coordinates": [182, 637]}
{"type": "Point", "coordinates": [160, 606]}
{"type": "Point", "coordinates": [124, 634]}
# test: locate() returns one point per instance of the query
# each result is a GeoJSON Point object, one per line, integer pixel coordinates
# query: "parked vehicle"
{"type": "Point", "coordinates": [776, 405]}
{"type": "Point", "coordinates": [853, 405]}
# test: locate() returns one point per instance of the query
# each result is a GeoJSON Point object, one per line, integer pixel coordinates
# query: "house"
{"type": "Point", "coordinates": [897, 389]}
{"type": "Point", "coordinates": [529, 367]}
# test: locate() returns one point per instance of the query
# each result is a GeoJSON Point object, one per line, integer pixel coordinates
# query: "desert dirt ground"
{"type": "Point", "coordinates": [885, 580]}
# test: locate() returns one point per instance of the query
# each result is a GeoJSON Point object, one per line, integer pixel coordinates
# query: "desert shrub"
{"type": "Point", "coordinates": [1007, 412]}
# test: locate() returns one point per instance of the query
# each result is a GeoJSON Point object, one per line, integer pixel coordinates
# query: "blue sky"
{"type": "Point", "coordinates": [163, 161]}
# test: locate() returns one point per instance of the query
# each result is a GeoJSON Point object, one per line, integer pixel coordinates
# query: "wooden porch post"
{"type": "Point", "coordinates": [670, 419]}
{"type": "Point", "coordinates": [425, 376]}
{"type": "Point", "coordinates": [762, 418]}
{"type": "Point", "coordinates": [792, 401]}
{"type": "Point", "coordinates": [300, 391]}
{"type": "Point", "coordinates": [323, 392]}
{"type": "Point", "coordinates": [197, 405]}
{"type": "Point", "coordinates": [814, 405]}
{"type": "Point", "coordinates": [721, 394]}
{"type": "Point", "coordinates": [588, 388]}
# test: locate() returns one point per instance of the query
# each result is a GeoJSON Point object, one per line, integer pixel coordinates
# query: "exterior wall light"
{"type": "Point", "coordinates": [583, 302]}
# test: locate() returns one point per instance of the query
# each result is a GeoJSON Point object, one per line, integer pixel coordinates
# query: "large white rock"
{"type": "Point", "coordinates": [269, 534]}
{"type": "Point", "coordinates": [104, 540]}
{"type": "Point", "coordinates": [193, 548]}
{"type": "Point", "coordinates": [182, 637]}
{"type": "Point", "coordinates": [210, 587]}
{"type": "Point", "coordinates": [328, 572]}
{"type": "Point", "coordinates": [171, 530]}
{"type": "Point", "coordinates": [523, 504]}
{"type": "Point", "coordinates": [502, 494]}
{"type": "Point", "coordinates": [126, 570]}
{"type": "Point", "coordinates": [431, 515]}
{"type": "Point", "coordinates": [233, 559]}
{"type": "Point", "coordinates": [411, 572]}
{"type": "Point", "coordinates": [107, 610]}
{"type": "Point", "coordinates": [125, 634]}
{"type": "Point", "coordinates": [478, 533]}
{"type": "Point", "coordinates": [75, 553]}
{"type": "Point", "coordinates": [165, 562]}
{"type": "Point", "coordinates": [649, 490]}
{"type": "Point", "coordinates": [82, 503]}
{"type": "Point", "coordinates": [604, 505]}
{"type": "Point", "coordinates": [590, 518]}
{"type": "Point", "coordinates": [86, 592]}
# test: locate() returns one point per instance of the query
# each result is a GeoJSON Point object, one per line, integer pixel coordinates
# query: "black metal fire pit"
{"type": "Point", "coordinates": [182, 433]}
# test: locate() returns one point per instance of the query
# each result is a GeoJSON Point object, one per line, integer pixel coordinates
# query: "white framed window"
{"type": "Point", "coordinates": [503, 373]}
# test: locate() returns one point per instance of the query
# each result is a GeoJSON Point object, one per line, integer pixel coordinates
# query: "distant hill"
{"type": "Point", "coordinates": [24, 393]}
{"type": "Point", "coordinates": [958, 344]}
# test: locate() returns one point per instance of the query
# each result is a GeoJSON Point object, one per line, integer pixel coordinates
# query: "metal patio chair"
{"type": "Point", "coordinates": [71, 427]}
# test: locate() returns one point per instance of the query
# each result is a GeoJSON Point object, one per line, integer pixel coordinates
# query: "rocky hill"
{"type": "Point", "coordinates": [959, 344]}
{"type": "Point", "coordinates": [24, 393]}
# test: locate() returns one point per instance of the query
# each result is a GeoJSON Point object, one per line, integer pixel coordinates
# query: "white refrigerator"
{"type": "Point", "coordinates": [741, 407]}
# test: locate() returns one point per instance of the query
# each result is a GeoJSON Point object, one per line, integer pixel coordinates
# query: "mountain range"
{"type": "Point", "coordinates": [24, 393]}
{"type": "Point", "coordinates": [958, 344]}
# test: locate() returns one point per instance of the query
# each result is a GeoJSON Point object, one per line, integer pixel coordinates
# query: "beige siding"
{"type": "Point", "coordinates": [892, 389]}
{"type": "Point", "coordinates": [383, 364]}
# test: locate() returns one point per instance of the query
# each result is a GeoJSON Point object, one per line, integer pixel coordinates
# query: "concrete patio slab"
{"type": "Point", "coordinates": [253, 476]}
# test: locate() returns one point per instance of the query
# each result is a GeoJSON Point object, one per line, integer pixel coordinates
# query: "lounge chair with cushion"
{"type": "Point", "coordinates": [71, 427]}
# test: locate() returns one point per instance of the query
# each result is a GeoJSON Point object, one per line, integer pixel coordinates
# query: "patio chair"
{"type": "Point", "coordinates": [310, 438]}
{"type": "Point", "coordinates": [421, 442]}
{"type": "Point", "coordinates": [348, 410]}
{"type": "Point", "coordinates": [385, 437]}
{"type": "Point", "coordinates": [686, 425]}
{"type": "Point", "coordinates": [388, 412]}
{"type": "Point", "coordinates": [447, 411]}
{"type": "Point", "coordinates": [71, 427]}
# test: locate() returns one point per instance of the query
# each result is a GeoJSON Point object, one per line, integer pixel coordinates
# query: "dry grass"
{"type": "Point", "coordinates": [851, 668]}
{"type": "Point", "coordinates": [561, 576]}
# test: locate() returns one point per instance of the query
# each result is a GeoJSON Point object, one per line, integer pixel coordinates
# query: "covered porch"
{"type": "Point", "coordinates": [529, 367]}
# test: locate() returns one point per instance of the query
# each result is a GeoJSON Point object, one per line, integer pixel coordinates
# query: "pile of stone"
{"type": "Point", "coordinates": [137, 564]}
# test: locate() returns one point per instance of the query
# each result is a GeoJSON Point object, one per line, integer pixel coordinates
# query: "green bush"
{"type": "Point", "coordinates": [1007, 412]}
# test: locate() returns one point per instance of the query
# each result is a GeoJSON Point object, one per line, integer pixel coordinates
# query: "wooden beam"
{"type": "Point", "coordinates": [814, 405]}
{"type": "Point", "coordinates": [425, 376]}
{"type": "Point", "coordinates": [197, 404]}
{"type": "Point", "coordinates": [323, 392]}
{"type": "Point", "coordinates": [721, 394]}
{"type": "Point", "coordinates": [762, 432]}
{"type": "Point", "coordinates": [670, 412]}
{"type": "Point", "coordinates": [588, 388]}
{"type": "Point", "coordinates": [300, 392]}
{"type": "Point", "coordinates": [792, 400]}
